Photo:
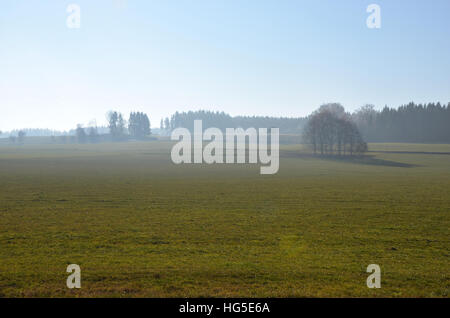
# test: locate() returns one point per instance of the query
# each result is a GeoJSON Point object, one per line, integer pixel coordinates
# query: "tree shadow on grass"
{"type": "Point", "coordinates": [413, 152]}
{"type": "Point", "coordinates": [360, 159]}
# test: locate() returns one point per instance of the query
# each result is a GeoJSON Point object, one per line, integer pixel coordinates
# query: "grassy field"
{"type": "Point", "coordinates": [140, 226]}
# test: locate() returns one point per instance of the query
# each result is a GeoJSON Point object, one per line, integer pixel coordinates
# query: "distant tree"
{"type": "Point", "coordinates": [133, 125]}
{"type": "Point", "coordinates": [120, 126]}
{"type": "Point", "coordinates": [116, 125]}
{"type": "Point", "coordinates": [93, 134]}
{"type": "Point", "coordinates": [21, 136]}
{"type": "Point", "coordinates": [112, 118]}
{"type": "Point", "coordinates": [161, 125]}
{"type": "Point", "coordinates": [365, 117]}
{"type": "Point", "coordinates": [139, 125]}
{"type": "Point", "coordinates": [311, 133]}
{"type": "Point", "coordinates": [336, 109]}
{"type": "Point", "coordinates": [365, 114]}
{"type": "Point", "coordinates": [167, 124]}
{"type": "Point", "coordinates": [81, 134]}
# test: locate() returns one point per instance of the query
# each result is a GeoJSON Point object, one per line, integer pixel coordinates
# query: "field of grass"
{"type": "Point", "coordinates": [139, 225]}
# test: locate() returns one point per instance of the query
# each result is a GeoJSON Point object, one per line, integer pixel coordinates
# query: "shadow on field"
{"type": "Point", "coordinates": [412, 152]}
{"type": "Point", "coordinates": [362, 159]}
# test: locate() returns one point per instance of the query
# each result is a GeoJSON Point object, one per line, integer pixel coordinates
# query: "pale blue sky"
{"type": "Point", "coordinates": [281, 58]}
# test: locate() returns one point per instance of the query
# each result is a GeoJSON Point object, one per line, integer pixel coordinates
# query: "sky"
{"type": "Point", "coordinates": [244, 57]}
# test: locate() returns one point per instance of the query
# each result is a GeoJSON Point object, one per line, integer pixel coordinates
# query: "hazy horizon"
{"type": "Point", "coordinates": [268, 58]}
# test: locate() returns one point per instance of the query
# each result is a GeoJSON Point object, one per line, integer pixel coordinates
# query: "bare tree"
{"type": "Point", "coordinates": [330, 130]}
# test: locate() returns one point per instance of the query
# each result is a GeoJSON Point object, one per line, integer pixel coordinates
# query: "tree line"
{"type": "Point", "coordinates": [417, 123]}
{"type": "Point", "coordinates": [329, 129]}
{"type": "Point", "coordinates": [222, 121]}
{"type": "Point", "coordinates": [137, 127]}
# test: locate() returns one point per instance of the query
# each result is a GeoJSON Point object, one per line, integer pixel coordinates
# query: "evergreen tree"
{"type": "Point", "coordinates": [139, 125]}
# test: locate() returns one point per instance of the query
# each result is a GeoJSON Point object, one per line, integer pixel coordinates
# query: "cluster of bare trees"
{"type": "Point", "coordinates": [330, 131]}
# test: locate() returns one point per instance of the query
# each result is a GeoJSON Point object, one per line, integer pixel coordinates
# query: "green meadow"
{"type": "Point", "coordinates": [140, 226]}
